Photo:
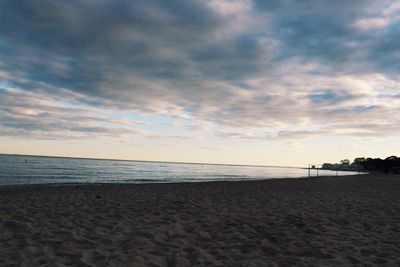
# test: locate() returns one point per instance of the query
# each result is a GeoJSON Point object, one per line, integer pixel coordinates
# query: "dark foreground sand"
{"type": "Point", "coordinates": [293, 222]}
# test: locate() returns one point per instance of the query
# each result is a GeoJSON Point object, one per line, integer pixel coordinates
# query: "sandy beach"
{"type": "Point", "coordinates": [336, 221]}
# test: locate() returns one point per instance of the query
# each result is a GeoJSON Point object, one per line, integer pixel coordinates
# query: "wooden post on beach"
{"type": "Point", "coordinates": [317, 171]}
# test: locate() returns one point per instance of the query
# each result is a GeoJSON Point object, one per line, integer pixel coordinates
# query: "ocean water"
{"type": "Point", "coordinates": [22, 170]}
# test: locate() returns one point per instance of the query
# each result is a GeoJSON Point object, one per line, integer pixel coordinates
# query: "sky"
{"type": "Point", "coordinates": [264, 82]}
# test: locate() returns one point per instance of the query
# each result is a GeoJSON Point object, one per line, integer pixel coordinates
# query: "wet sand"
{"type": "Point", "coordinates": [335, 221]}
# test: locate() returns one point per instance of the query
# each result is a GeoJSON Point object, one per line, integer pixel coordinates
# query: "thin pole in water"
{"type": "Point", "coordinates": [308, 170]}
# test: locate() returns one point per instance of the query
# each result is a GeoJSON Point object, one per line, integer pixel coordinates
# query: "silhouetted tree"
{"type": "Point", "coordinates": [390, 164]}
{"type": "Point", "coordinates": [345, 162]}
{"type": "Point", "coordinates": [359, 161]}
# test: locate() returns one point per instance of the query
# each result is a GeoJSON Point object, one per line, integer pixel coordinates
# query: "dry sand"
{"type": "Point", "coordinates": [336, 221]}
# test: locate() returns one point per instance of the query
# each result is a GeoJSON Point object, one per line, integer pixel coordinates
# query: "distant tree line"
{"type": "Point", "coordinates": [389, 165]}
{"type": "Point", "coordinates": [344, 165]}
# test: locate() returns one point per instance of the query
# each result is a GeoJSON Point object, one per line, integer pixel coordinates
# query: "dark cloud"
{"type": "Point", "coordinates": [91, 42]}
{"type": "Point", "coordinates": [326, 32]}
{"type": "Point", "coordinates": [385, 53]}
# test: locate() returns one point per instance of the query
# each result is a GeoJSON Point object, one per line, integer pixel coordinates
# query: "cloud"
{"type": "Point", "coordinates": [248, 65]}
{"type": "Point", "coordinates": [32, 115]}
{"type": "Point", "coordinates": [331, 96]}
{"type": "Point", "coordinates": [214, 148]}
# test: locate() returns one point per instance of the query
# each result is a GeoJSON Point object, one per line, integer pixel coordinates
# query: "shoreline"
{"type": "Point", "coordinates": [335, 221]}
{"type": "Point", "coordinates": [185, 182]}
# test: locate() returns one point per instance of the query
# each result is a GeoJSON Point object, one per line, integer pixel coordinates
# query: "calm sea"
{"type": "Point", "coordinates": [20, 170]}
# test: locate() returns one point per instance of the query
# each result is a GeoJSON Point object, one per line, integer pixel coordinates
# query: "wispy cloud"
{"type": "Point", "coordinates": [32, 115]}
